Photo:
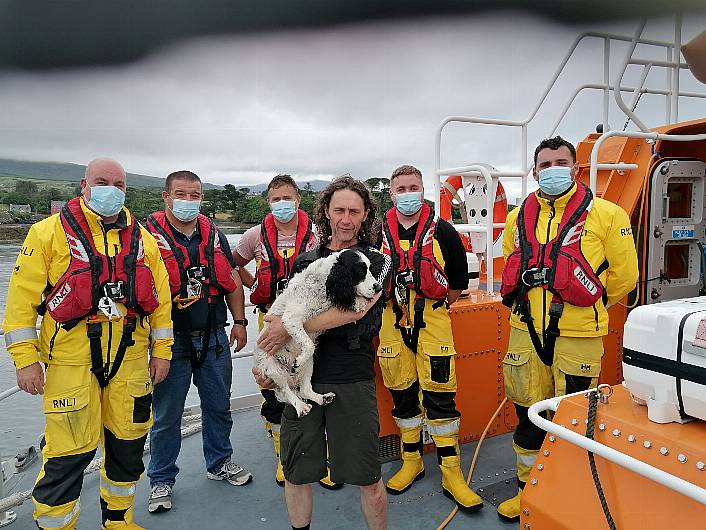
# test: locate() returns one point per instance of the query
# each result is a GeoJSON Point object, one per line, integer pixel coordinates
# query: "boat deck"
{"type": "Point", "coordinates": [206, 504]}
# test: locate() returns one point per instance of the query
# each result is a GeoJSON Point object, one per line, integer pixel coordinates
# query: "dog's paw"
{"type": "Point", "coordinates": [302, 409]}
{"type": "Point", "coordinates": [328, 397]}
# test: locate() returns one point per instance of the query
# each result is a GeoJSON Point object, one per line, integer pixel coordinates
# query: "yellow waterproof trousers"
{"type": "Point", "coordinates": [79, 415]}
{"type": "Point", "coordinates": [576, 367]}
{"type": "Point", "coordinates": [427, 375]}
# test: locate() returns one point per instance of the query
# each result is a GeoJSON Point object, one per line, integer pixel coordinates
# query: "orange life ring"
{"type": "Point", "coordinates": [446, 200]}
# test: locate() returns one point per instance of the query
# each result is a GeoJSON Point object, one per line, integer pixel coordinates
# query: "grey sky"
{"type": "Point", "coordinates": [361, 99]}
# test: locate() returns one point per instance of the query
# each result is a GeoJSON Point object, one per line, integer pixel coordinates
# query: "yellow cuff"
{"type": "Point", "coordinates": [162, 349]}
{"type": "Point", "coordinates": [24, 355]}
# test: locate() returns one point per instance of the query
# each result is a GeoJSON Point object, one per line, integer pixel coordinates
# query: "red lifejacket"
{"type": "Point", "coordinates": [417, 267]}
{"type": "Point", "coordinates": [273, 268]}
{"type": "Point", "coordinates": [91, 275]}
{"type": "Point", "coordinates": [558, 266]}
{"type": "Point", "coordinates": [213, 269]}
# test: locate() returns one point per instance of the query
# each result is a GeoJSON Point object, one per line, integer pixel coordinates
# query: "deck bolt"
{"type": "Point", "coordinates": [552, 438]}
{"type": "Point", "coordinates": [682, 458]}
{"type": "Point", "coordinates": [533, 481]}
{"type": "Point", "coordinates": [700, 466]}
{"type": "Point", "coordinates": [663, 451]}
{"type": "Point", "coordinates": [601, 427]}
{"type": "Point", "coordinates": [526, 526]}
{"type": "Point", "coordinates": [540, 467]}
{"type": "Point", "coordinates": [574, 422]}
{"type": "Point", "coordinates": [631, 438]}
{"type": "Point", "coordinates": [546, 452]}
{"type": "Point", "coordinates": [616, 432]}
{"type": "Point", "coordinates": [647, 444]}
{"type": "Point", "coordinates": [525, 511]}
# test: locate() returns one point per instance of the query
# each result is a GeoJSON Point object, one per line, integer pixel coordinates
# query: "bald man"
{"type": "Point", "coordinates": [98, 279]}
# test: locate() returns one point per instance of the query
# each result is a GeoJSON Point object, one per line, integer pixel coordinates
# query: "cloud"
{"type": "Point", "coordinates": [361, 99]}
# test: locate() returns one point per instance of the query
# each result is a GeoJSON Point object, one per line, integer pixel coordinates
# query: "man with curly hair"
{"type": "Point", "coordinates": [343, 364]}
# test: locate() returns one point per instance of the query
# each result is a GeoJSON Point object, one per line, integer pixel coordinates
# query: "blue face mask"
{"type": "Point", "coordinates": [106, 200]}
{"type": "Point", "coordinates": [409, 203]}
{"type": "Point", "coordinates": [184, 210]}
{"type": "Point", "coordinates": [284, 211]}
{"type": "Point", "coordinates": [555, 180]}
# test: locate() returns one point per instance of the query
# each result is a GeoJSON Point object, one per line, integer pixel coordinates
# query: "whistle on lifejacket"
{"type": "Point", "coordinates": [193, 294]}
{"type": "Point", "coordinates": [112, 291]}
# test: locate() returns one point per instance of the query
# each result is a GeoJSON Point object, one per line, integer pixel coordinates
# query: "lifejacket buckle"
{"type": "Point", "coordinates": [282, 285]}
{"type": "Point", "coordinates": [197, 273]}
{"type": "Point", "coordinates": [114, 290]}
{"type": "Point", "coordinates": [404, 278]}
{"type": "Point", "coordinates": [535, 277]}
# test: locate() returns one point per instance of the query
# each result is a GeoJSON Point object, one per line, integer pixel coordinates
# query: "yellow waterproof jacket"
{"type": "Point", "coordinates": [43, 259]}
{"type": "Point", "coordinates": [607, 236]}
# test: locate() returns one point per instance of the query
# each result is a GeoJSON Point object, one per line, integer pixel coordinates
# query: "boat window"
{"type": "Point", "coordinates": [679, 194]}
{"type": "Point", "coordinates": [676, 261]}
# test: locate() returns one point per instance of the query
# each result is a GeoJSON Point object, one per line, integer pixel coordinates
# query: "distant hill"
{"type": "Point", "coordinates": [316, 185]}
{"type": "Point", "coordinates": [64, 172]}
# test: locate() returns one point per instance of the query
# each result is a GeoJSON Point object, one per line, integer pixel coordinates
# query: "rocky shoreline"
{"type": "Point", "coordinates": [13, 232]}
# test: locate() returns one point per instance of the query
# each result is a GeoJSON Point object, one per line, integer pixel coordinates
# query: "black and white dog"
{"type": "Point", "coordinates": [342, 280]}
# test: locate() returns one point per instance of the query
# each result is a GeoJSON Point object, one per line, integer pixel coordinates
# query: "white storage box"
{"type": "Point", "coordinates": [664, 358]}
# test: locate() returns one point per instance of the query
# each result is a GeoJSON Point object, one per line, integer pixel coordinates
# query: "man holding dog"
{"type": "Point", "coordinates": [274, 244]}
{"type": "Point", "coordinates": [203, 283]}
{"type": "Point", "coordinates": [343, 364]}
{"type": "Point", "coordinates": [416, 351]}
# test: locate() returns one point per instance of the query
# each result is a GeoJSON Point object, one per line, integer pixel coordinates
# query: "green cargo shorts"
{"type": "Point", "coordinates": [349, 425]}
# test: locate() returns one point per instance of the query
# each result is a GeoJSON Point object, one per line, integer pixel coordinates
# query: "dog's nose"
{"type": "Point", "coordinates": [377, 287]}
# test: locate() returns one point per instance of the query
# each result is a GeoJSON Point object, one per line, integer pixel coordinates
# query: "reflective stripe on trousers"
{"type": "Point", "coordinates": [117, 489]}
{"type": "Point", "coordinates": [443, 429]}
{"type": "Point", "coordinates": [408, 423]}
{"type": "Point", "coordinates": [527, 460]}
{"type": "Point", "coordinates": [58, 521]}
{"type": "Point", "coordinates": [17, 335]}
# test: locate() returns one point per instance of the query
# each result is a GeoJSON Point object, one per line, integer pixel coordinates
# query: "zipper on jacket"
{"type": "Point", "coordinates": [595, 315]}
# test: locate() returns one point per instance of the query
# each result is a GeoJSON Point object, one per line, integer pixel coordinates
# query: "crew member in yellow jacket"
{"type": "Point", "coordinates": [559, 300]}
{"type": "Point", "coordinates": [99, 281]}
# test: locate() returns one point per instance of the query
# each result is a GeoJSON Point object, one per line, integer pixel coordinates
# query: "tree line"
{"type": "Point", "coordinates": [237, 205]}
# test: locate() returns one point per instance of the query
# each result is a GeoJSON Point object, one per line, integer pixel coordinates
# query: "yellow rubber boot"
{"type": "Point", "coordinates": [453, 483]}
{"type": "Point", "coordinates": [279, 473]}
{"type": "Point", "coordinates": [509, 510]}
{"type": "Point", "coordinates": [412, 464]}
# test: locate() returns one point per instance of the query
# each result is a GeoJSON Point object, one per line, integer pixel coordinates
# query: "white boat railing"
{"type": "Point", "coordinates": [673, 64]}
{"type": "Point", "coordinates": [646, 470]}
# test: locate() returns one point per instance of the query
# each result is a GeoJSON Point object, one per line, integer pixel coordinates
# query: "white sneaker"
{"type": "Point", "coordinates": [231, 472]}
{"type": "Point", "coordinates": [160, 498]}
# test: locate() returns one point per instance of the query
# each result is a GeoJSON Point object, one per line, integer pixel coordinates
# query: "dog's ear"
{"type": "Point", "coordinates": [340, 289]}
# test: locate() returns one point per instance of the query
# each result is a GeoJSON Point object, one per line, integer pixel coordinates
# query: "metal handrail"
{"type": "Point", "coordinates": [490, 182]}
{"type": "Point", "coordinates": [646, 470]}
{"type": "Point", "coordinates": [634, 134]}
